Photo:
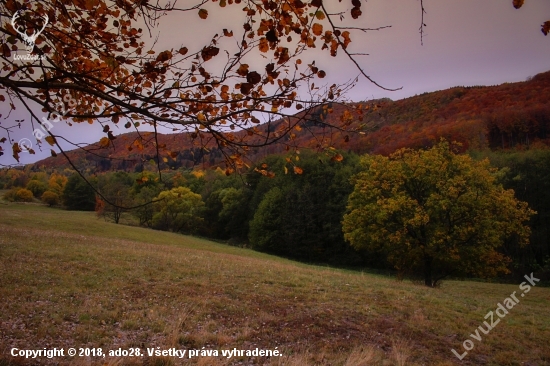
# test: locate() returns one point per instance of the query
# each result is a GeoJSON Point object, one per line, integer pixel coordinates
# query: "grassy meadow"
{"type": "Point", "coordinates": [68, 279]}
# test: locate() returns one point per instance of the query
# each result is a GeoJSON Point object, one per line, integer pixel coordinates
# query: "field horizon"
{"type": "Point", "coordinates": [69, 279]}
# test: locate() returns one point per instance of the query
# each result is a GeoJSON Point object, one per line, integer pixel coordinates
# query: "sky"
{"type": "Point", "coordinates": [466, 42]}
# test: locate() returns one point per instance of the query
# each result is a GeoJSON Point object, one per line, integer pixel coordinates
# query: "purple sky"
{"type": "Point", "coordinates": [467, 42]}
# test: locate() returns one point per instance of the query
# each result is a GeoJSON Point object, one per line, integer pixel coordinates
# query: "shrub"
{"type": "Point", "coordinates": [50, 198]}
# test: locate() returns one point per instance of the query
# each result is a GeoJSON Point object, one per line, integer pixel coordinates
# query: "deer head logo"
{"type": "Point", "coordinates": [28, 40]}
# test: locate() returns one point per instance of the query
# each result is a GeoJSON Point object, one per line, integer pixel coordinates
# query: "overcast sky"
{"type": "Point", "coordinates": [466, 42]}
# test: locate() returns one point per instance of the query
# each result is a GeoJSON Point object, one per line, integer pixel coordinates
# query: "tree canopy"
{"type": "Point", "coordinates": [91, 61]}
{"type": "Point", "coordinates": [434, 213]}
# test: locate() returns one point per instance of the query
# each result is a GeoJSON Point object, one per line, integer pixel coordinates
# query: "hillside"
{"type": "Point", "coordinates": [498, 117]}
{"type": "Point", "coordinates": [132, 287]}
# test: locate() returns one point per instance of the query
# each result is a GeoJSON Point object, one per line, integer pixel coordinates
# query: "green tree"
{"type": "Point", "coordinates": [266, 226]}
{"type": "Point", "coordinates": [37, 187]}
{"type": "Point", "coordinates": [115, 187]}
{"type": "Point", "coordinates": [299, 215]}
{"type": "Point", "coordinates": [77, 194]}
{"type": "Point", "coordinates": [178, 210]}
{"type": "Point", "coordinates": [434, 213]}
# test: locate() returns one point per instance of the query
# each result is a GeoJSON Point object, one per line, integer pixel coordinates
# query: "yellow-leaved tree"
{"type": "Point", "coordinates": [434, 213]}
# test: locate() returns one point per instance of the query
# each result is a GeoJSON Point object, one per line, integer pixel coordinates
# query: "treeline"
{"type": "Point", "coordinates": [288, 206]}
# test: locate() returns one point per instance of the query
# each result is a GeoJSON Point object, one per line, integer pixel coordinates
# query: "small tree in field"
{"type": "Point", "coordinates": [434, 213]}
{"type": "Point", "coordinates": [178, 210]}
{"type": "Point", "coordinates": [50, 198]}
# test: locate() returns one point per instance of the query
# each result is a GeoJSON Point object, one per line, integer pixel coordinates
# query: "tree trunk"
{"type": "Point", "coordinates": [428, 281]}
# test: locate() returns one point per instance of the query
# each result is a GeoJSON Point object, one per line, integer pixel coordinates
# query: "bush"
{"type": "Point", "coordinates": [18, 195]}
{"type": "Point", "coordinates": [50, 198]}
{"type": "Point", "coordinates": [37, 187]}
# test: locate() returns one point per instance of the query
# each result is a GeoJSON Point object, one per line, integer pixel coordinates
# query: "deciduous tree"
{"type": "Point", "coordinates": [434, 213]}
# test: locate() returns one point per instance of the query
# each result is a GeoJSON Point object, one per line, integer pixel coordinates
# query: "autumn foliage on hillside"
{"type": "Point", "coordinates": [511, 115]}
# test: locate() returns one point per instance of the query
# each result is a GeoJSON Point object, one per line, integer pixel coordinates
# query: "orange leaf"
{"type": "Point", "coordinates": [104, 142]}
{"type": "Point", "coordinates": [337, 157]}
{"type": "Point", "coordinates": [317, 29]}
{"type": "Point", "coordinates": [298, 170]}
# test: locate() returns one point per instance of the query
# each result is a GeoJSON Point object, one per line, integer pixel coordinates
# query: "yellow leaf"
{"type": "Point", "coordinates": [50, 140]}
{"type": "Point", "coordinates": [104, 142]}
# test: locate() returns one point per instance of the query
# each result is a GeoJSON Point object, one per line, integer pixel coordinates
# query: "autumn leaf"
{"type": "Point", "coordinates": [298, 170]}
{"type": "Point", "coordinates": [346, 37]}
{"type": "Point", "coordinates": [164, 56]}
{"type": "Point", "coordinates": [53, 153]}
{"type": "Point", "coordinates": [50, 140]}
{"type": "Point", "coordinates": [243, 70]}
{"type": "Point", "coordinates": [208, 52]}
{"type": "Point", "coordinates": [104, 142]}
{"type": "Point", "coordinates": [203, 13]}
{"type": "Point", "coordinates": [16, 150]}
{"type": "Point", "coordinates": [546, 27]}
{"type": "Point", "coordinates": [518, 3]}
{"type": "Point", "coordinates": [253, 77]}
{"type": "Point", "coordinates": [263, 46]}
{"type": "Point", "coordinates": [317, 29]}
{"type": "Point", "coordinates": [319, 15]}
{"type": "Point", "coordinates": [337, 157]}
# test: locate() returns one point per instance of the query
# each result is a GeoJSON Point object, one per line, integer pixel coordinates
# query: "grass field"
{"type": "Point", "coordinates": [68, 279]}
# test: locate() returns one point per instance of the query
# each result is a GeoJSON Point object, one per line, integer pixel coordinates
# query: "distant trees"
{"type": "Point", "coordinates": [18, 195]}
{"type": "Point", "coordinates": [77, 194]}
{"type": "Point", "coordinates": [178, 210]}
{"type": "Point", "coordinates": [434, 213]}
{"type": "Point", "coordinates": [299, 214]}
{"type": "Point", "coordinates": [115, 188]}
{"type": "Point", "coordinates": [50, 198]}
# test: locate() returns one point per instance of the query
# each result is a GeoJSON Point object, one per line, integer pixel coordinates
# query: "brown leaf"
{"type": "Point", "coordinates": [16, 150]}
{"type": "Point", "coordinates": [243, 70]}
{"type": "Point", "coordinates": [246, 88]}
{"type": "Point", "coordinates": [183, 51]}
{"type": "Point", "coordinates": [208, 52]}
{"type": "Point", "coordinates": [203, 13]}
{"type": "Point", "coordinates": [271, 36]}
{"type": "Point", "coordinates": [53, 153]}
{"type": "Point", "coordinates": [546, 27]}
{"type": "Point", "coordinates": [253, 77]}
{"type": "Point", "coordinates": [518, 3]}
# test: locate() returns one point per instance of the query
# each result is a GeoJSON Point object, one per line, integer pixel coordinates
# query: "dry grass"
{"type": "Point", "coordinates": [70, 280]}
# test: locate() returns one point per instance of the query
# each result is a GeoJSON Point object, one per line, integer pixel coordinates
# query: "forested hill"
{"type": "Point", "coordinates": [498, 117]}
